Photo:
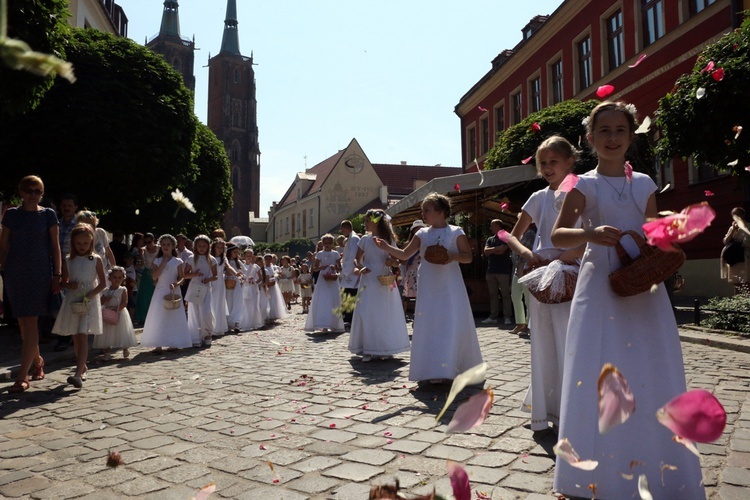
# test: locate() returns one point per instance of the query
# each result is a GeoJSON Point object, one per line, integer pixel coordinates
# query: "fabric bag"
{"type": "Point", "coordinates": [196, 292]}
{"type": "Point", "coordinates": [110, 316]}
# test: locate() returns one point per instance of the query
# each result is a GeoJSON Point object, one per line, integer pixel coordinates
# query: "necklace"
{"type": "Point", "coordinates": [621, 194]}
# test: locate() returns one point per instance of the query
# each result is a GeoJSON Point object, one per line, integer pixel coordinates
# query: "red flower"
{"type": "Point", "coordinates": [535, 127]}
{"type": "Point", "coordinates": [718, 75]}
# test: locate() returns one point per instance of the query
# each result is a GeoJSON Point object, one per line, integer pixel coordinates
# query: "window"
{"type": "Point", "coordinates": [177, 64]}
{"type": "Point", "coordinates": [557, 81]}
{"type": "Point", "coordinates": [699, 171]}
{"type": "Point", "coordinates": [615, 48]}
{"type": "Point", "coordinates": [535, 94]}
{"type": "Point", "coordinates": [485, 126]}
{"type": "Point", "coordinates": [697, 6]}
{"type": "Point", "coordinates": [585, 76]}
{"type": "Point", "coordinates": [287, 225]}
{"type": "Point", "coordinates": [237, 76]}
{"type": "Point", "coordinates": [310, 224]}
{"type": "Point", "coordinates": [499, 118]}
{"type": "Point", "coordinates": [298, 226]}
{"type": "Point", "coordinates": [471, 144]}
{"type": "Point", "coordinates": [516, 100]}
{"type": "Point", "coordinates": [653, 21]}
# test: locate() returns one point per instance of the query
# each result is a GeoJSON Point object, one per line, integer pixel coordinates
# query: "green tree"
{"type": "Point", "coordinates": [120, 137]}
{"type": "Point", "coordinates": [520, 141]}
{"type": "Point", "coordinates": [43, 26]}
{"type": "Point", "coordinates": [701, 114]}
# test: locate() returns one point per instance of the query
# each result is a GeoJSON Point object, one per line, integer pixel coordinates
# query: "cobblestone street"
{"type": "Point", "coordinates": [280, 414]}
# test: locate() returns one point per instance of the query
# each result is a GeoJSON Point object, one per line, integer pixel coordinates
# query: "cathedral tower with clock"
{"type": "Point", "coordinates": [232, 116]}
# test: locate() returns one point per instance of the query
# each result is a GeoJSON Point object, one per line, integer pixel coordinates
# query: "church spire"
{"type": "Point", "coordinates": [230, 42]}
{"type": "Point", "coordinates": [170, 19]}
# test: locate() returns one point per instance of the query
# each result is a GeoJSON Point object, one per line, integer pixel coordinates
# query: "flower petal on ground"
{"type": "Point", "coordinates": [604, 91]}
{"type": "Point", "coordinates": [204, 492]}
{"type": "Point", "coordinates": [694, 415]}
{"type": "Point", "coordinates": [459, 481]}
{"type": "Point", "coordinates": [473, 375]}
{"type": "Point", "coordinates": [472, 413]}
{"type": "Point", "coordinates": [568, 183]}
{"type": "Point", "coordinates": [644, 126]}
{"type": "Point", "coordinates": [616, 401]}
{"type": "Point", "coordinates": [564, 450]}
{"type": "Point", "coordinates": [639, 61]}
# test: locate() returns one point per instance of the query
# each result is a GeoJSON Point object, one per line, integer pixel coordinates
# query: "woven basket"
{"type": "Point", "coordinates": [331, 277]}
{"type": "Point", "coordinates": [652, 267]}
{"type": "Point", "coordinates": [79, 308]}
{"type": "Point", "coordinates": [172, 301]}
{"type": "Point", "coordinates": [230, 284]}
{"type": "Point", "coordinates": [387, 279]}
{"type": "Point", "coordinates": [545, 296]}
{"type": "Point", "coordinates": [436, 254]}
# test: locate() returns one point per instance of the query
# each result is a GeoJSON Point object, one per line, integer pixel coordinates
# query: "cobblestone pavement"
{"type": "Point", "coordinates": [280, 414]}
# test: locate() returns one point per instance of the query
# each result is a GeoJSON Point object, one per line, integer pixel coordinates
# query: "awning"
{"type": "Point", "coordinates": [476, 190]}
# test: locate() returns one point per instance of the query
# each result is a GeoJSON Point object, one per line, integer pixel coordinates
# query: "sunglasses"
{"type": "Point", "coordinates": [37, 192]}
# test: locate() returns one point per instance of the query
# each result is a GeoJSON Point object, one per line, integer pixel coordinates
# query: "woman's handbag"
{"type": "Point", "coordinates": [196, 292]}
{"type": "Point", "coordinates": [652, 267]}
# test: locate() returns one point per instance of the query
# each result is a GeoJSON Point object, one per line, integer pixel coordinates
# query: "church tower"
{"type": "Point", "coordinates": [176, 50]}
{"type": "Point", "coordinates": [232, 115]}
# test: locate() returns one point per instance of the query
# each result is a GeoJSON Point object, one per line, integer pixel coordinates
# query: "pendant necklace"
{"type": "Point", "coordinates": [621, 194]}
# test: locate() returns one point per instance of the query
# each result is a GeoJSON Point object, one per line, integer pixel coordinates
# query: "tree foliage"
{"type": "Point", "coordinates": [706, 126]}
{"type": "Point", "coordinates": [519, 142]}
{"type": "Point", "coordinates": [42, 25]}
{"type": "Point", "coordinates": [120, 137]}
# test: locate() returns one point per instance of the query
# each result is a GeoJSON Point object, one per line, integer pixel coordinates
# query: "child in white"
{"type": "Point", "coordinates": [83, 277]}
{"type": "Point", "coordinates": [326, 296]}
{"type": "Point", "coordinates": [166, 327]}
{"type": "Point", "coordinates": [305, 282]}
{"type": "Point", "coordinates": [555, 159]}
{"type": "Point", "coordinates": [263, 301]}
{"type": "Point", "coordinates": [286, 281]}
{"type": "Point", "coordinates": [637, 334]}
{"type": "Point", "coordinates": [200, 269]}
{"type": "Point", "coordinates": [121, 334]}
{"type": "Point", "coordinates": [235, 300]}
{"type": "Point", "coordinates": [219, 290]}
{"type": "Point", "coordinates": [378, 324]}
{"type": "Point", "coordinates": [253, 317]}
{"type": "Point", "coordinates": [276, 305]}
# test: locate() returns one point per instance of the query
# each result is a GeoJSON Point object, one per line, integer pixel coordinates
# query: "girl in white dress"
{"type": "Point", "coordinates": [286, 281]}
{"type": "Point", "coordinates": [276, 306]}
{"type": "Point", "coordinates": [444, 342]}
{"type": "Point", "coordinates": [326, 296]}
{"type": "Point", "coordinates": [200, 269]}
{"type": "Point", "coordinates": [555, 159]}
{"type": "Point", "coordinates": [235, 300]}
{"type": "Point", "coordinates": [166, 327]}
{"type": "Point", "coordinates": [253, 318]}
{"type": "Point", "coordinates": [219, 290]}
{"type": "Point", "coordinates": [378, 325]}
{"type": "Point", "coordinates": [263, 301]}
{"type": "Point", "coordinates": [121, 334]}
{"type": "Point", "coordinates": [637, 334]}
{"type": "Point", "coordinates": [305, 282]}
{"type": "Point", "coordinates": [83, 277]}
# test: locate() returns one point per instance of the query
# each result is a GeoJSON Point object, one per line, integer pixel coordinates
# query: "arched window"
{"type": "Point", "coordinates": [235, 178]}
{"type": "Point", "coordinates": [236, 151]}
{"type": "Point", "coordinates": [237, 76]}
{"type": "Point", "coordinates": [177, 63]}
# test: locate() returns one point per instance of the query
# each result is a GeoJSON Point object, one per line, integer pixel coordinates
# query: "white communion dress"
{"type": "Point", "coordinates": [82, 270]}
{"type": "Point", "coordinates": [120, 335]}
{"type": "Point", "coordinates": [326, 298]}
{"type": "Point", "coordinates": [166, 327]}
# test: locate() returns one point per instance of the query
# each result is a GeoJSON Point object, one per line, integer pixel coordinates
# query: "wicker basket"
{"type": "Point", "coordinates": [652, 267]}
{"type": "Point", "coordinates": [79, 308]}
{"type": "Point", "coordinates": [172, 301]}
{"type": "Point", "coordinates": [331, 277]}
{"type": "Point", "coordinates": [436, 254]}
{"type": "Point", "coordinates": [387, 279]}
{"type": "Point", "coordinates": [545, 296]}
{"type": "Point", "coordinates": [230, 284]}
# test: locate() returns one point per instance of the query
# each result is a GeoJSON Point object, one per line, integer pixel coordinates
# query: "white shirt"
{"type": "Point", "coordinates": [348, 278]}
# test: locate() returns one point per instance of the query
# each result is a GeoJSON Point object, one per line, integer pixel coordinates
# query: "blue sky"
{"type": "Point", "coordinates": [386, 72]}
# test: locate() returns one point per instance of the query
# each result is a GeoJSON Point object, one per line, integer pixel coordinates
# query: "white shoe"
{"type": "Point", "coordinates": [366, 358]}
{"type": "Point", "coordinates": [489, 321]}
{"type": "Point", "coordinates": [507, 321]}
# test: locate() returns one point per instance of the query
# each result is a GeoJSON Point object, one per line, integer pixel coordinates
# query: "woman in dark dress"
{"type": "Point", "coordinates": [31, 262]}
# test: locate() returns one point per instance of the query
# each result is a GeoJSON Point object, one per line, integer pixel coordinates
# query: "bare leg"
{"type": "Point", "coordinates": [81, 346]}
{"type": "Point", "coordinates": [30, 345]}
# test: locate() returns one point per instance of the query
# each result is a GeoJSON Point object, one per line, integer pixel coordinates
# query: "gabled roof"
{"type": "Point", "coordinates": [400, 178]}
{"type": "Point", "coordinates": [319, 173]}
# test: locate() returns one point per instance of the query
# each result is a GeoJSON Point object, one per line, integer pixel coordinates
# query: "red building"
{"type": "Point", "coordinates": [585, 44]}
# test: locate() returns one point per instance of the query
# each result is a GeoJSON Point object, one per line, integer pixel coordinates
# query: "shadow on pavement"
{"type": "Point", "coordinates": [11, 403]}
{"type": "Point", "coordinates": [376, 371]}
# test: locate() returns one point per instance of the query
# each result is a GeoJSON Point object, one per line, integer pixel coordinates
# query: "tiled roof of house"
{"type": "Point", "coordinates": [400, 178]}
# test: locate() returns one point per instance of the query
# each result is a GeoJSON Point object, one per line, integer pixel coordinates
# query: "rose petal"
{"type": "Point", "coordinates": [564, 450]}
{"type": "Point", "coordinates": [639, 61]}
{"type": "Point", "coordinates": [687, 444]}
{"type": "Point", "coordinates": [644, 126]}
{"type": "Point", "coordinates": [628, 171]}
{"type": "Point", "coordinates": [472, 413]}
{"type": "Point", "coordinates": [665, 188]}
{"type": "Point", "coordinates": [694, 415]}
{"type": "Point", "coordinates": [205, 492]}
{"type": "Point", "coordinates": [503, 235]}
{"type": "Point", "coordinates": [708, 67]}
{"type": "Point", "coordinates": [567, 184]}
{"type": "Point", "coordinates": [643, 488]}
{"type": "Point", "coordinates": [535, 127]}
{"type": "Point", "coordinates": [700, 93]}
{"type": "Point", "coordinates": [483, 110]}
{"type": "Point", "coordinates": [604, 91]}
{"type": "Point", "coordinates": [504, 205]}
{"type": "Point", "coordinates": [527, 160]}
{"type": "Point", "coordinates": [473, 375]}
{"type": "Point", "coordinates": [457, 187]}
{"type": "Point", "coordinates": [459, 481]}
{"type": "Point", "coordinates": [733, 163]}
{"type": "Point", "coordinates": [718, 75]}
{"type": "Point", "coordinates": [708, 192]}
{"type": "Point", "coordinates": [738, 130]}
{"type": "Point", "coordinates": [679, 228]}
{"type": "Point", "coordinates": [616, 401]}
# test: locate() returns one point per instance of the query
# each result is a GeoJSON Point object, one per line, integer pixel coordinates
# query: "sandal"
{"type": "Point", "coordinates": [19, 386]}
{"type": "Point", "coordinates": [37, 370]}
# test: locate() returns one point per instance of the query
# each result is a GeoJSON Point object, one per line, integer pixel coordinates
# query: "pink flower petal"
{"type": "Point", "coordinates": [483, 110]}
{"type": "Point", "coordinates": [457, 187]}
{"type": "Point", "coordinates": [708, 193]}
{"type": "Point", "coordinates": [708, 67]}
{"type": "Point", "coordinates": [504, 205]}
{"type": "Point", "coordinates": [389, 441]}
{"type": "Point", "coordinates": [628, 171]}
{"type": "Point", "coordinates": [459, 481]}
{"type": "Point", "coordinates": [604, 91]}
{"type": "Point", "coordinates": [616, 401]}
{"type": "Point", "coordinates": [535, 127]}
{"type": "Point", "coordinates": [564, 450]}
{"type": "Point", "coordinates": [263, 447]}
{"type": "Point", "coordinates": [738, 130]}
{"type": "Point", "coordinates": [679, 228]}
{"type": "Point", "coordinates": [388, 434]}
{"type": "Point", "coordinates": [503, 235]}
{"type": "Point", "coordinates": [205, 492]}
{"type": "Point", "coordinates": [718, 75]}
{"type": "Point", "coordinates": [527, 160]}
{"type": "Point", "coordinates": [471, 413]}
{"type": "Point", "coordinates": [332, 426]}
{"type": "Point", "coordinates": [568, 183]}
{"type": "Point", "coordinates": [694, 415]}
{"type": "Point", "coordinates": [639, 61]}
